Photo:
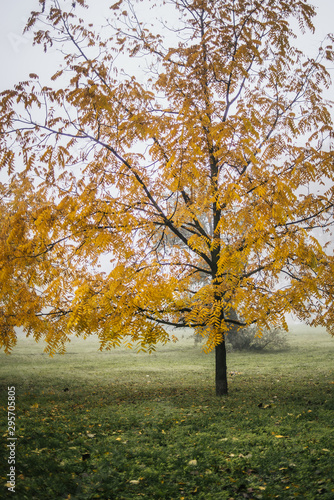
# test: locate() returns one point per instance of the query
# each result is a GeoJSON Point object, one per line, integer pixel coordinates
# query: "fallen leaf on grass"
{"type": "Point", "coordinates": [192, 462]}
{"type": "Point", "coordinates": [134, 481]}
{"type": "Point", "coordinates": [264, 407]}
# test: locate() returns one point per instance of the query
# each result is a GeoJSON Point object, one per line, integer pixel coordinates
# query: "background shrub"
{"type": "Point", "coordinates": [247, 339]}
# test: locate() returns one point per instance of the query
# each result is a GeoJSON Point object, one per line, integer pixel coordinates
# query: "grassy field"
{"type": "Point", "coordinates": [120, 425]}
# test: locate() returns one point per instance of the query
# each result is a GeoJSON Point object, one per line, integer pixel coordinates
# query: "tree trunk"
{"type": "Point", "coordinates": [221, 369]}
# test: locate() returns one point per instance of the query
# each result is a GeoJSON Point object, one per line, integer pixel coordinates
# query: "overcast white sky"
{"type": "Point", "coordinates": [18, 58]}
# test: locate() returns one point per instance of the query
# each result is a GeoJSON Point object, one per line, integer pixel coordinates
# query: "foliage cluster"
{"type": "Point", "coordinates": [217, 150]}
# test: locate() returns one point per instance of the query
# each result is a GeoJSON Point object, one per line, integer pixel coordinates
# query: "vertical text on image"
{"type": "Point", "coordinates": [11, 445]}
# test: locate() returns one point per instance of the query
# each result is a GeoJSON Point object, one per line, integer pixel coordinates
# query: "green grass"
{"type": "Point", "coordinates": [150, 426]}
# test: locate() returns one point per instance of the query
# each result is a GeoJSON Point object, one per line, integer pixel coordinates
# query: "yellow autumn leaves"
{"type": "Point", "coordinates": [191, 189]}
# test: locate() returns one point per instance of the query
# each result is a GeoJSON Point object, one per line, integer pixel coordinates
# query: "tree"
{"type": "Point", "coordinates": [217, 149]}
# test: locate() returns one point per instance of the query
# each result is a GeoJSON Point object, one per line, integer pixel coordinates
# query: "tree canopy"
{"type": "Point", "coordinates": [198, 178]}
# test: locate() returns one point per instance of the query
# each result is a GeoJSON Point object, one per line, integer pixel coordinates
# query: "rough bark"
{"type": "Point", "coordinates": [221, 369]}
